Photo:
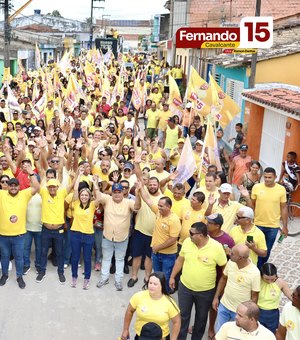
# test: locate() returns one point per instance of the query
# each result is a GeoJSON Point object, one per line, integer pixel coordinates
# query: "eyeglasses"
{"type": "Point", "coordinates": [192, 234]}
{"type": "Point", "coordinates": [55, 161]}
{"type": "Point", "coordinates": [27, 118]}
{"type": "Point", "coordinates": [240, 217]}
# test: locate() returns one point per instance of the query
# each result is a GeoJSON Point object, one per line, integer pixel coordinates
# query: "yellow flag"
{"type": "Point", "coordinates": [211, 146]}
{"type": "Point", "coordinates": [73, 93]}
{"type": "Point", "coordinates": [223, 107]}
{"type": "Point", "coordinates": [175, 100]}
{"type": "Point", "coordinates": [136, 95]}
{"type": "Point", "coordinates": [37, 57]}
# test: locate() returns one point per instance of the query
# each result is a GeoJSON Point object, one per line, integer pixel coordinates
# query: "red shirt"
{"type": "Point", "coordinates": [23, 178]}
{"type": "Point", "coordinates": [104, 108]}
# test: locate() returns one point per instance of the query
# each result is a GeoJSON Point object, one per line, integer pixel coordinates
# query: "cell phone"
{"type": "Point", "coordinates": [249, 238]}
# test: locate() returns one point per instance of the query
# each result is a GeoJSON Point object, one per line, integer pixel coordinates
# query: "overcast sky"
{"type": "Point", "coordinates": [118, 9]}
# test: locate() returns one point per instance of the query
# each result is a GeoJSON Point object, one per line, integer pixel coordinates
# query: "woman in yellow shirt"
{"type": "Point", "coordinates": [82, 231]}
{"type": "Point", "coordinates": [153, 305]}
{"type": "Point", "coordinates": [271, 287]}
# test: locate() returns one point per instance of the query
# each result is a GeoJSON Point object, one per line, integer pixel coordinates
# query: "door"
{"type": "Point", "coordinates": [272, 140]}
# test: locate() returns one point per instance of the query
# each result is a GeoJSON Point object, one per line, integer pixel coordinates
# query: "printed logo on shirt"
{"type": "Point", "coordinates": [290, 325]}
{"type": "Point", "coordinates": [203, 259]}
{"type": "Point", "coordinates": [143, 309]}
{"type": "Point", "coordinates": [240, 279]}
{"type": "Point", "coordinates": [13, 219]}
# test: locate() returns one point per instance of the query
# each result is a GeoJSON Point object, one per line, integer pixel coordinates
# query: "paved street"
{"type": "Point", "coordinates": [49, 310]}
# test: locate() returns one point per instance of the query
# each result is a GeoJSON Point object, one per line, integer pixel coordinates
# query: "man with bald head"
{"type": "Point", "coordinates": [240, 282]}
{"type": "Point", "coordinates": [246, 324]}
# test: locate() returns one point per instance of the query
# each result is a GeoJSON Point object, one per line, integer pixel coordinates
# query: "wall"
{"type": "Point", "coordinates": [279, 70]}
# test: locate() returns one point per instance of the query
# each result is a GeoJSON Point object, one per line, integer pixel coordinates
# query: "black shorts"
{"type": "Point", "coordinates": [140, 244]}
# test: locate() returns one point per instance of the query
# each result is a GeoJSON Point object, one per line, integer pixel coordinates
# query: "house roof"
{"type": "Point", "coordinates": [239, 60]}
{"type": "Point", "coordinates": [39, 28]}
{"type": "Point", "coordinates": [280, 98]}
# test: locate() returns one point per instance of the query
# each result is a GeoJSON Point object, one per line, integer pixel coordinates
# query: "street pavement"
{"type": "Point", "coordinates": [49, 310]}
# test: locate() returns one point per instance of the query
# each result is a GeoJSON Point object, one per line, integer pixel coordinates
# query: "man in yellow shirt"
{"type": "Point", "coordinates": [269, 204]}
{"type": "Point", "coordinates": [151, 115]}
{"type": "Point", "coordinates": [247, 233]}
{"type": "Point", "coordinates": [162, 119]}
{"type": "Point", "coordinates": [165, 234]}
{"type": "Point", "coordinates": [117, 213]}
{"type": "Point", "coordinates": [53, 219]}
{"type": "Point", "coordinates": [240, 282]}
{"type": "Point", "coordinates": [13, 206]}
{"type": "Point", "coordinates": [199, 257]}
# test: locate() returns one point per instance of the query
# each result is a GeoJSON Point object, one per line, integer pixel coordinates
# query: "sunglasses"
{"type": "Point", "coordinates": [4, 181]}
{"type": "Point", "coordinates": [240, 217]}
{"type": "Point", "coordinates": [192, 234]}
{"type": "Point", "coordinates": [55, 161]}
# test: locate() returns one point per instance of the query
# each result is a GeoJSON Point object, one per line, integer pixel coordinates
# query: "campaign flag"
{"type": "Point", "coordinates": [211, 146]}
{"type": "Point", "coordinates": [187, 164]}
{"type": "Point", "coordinates": [37, 57]}
{"type": "Point", "coordinates": [175, 100]}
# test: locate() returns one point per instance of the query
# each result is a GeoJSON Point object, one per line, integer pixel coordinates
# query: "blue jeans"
{"type": "Point", "coordinates": [67, 243]}
{"type": "Point", "coordinates": [57, 236]}
{"type": "Point", "coordinates": [14, 245]}
{"type": "Point", "coordinates": [269, 319]}
{"type": "Point", "coordinates": [37, 237]}
{"type": "Point", "coordinates": [98, 244]}
{"type": "Point", "coordinates": [270, 235]}
{"type": "Point", "coordinates": [224, 315]}
{"type": "Point", "coordinates": [85, 241]}
{"type": "Point", "coordinates": [185, 131]}
{"type": "Point", "coordinates": [164, 263]}
{"type": "Point", "coordinates": [108, 249]}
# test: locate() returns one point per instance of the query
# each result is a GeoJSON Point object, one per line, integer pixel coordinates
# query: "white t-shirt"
{"type": "Point", "coordinates": [290, 319]}
{"type": "Point", "coordinates": [34, 214]}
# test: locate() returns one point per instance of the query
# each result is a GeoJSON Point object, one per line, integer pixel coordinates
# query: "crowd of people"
{"type": "Point", "coordinates": [98, 181]}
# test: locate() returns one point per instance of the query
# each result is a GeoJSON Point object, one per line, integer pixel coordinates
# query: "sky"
{"type": "Point", "coordinates": [117, 9]}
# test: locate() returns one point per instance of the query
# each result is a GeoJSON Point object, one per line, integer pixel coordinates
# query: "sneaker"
{"type": "Point", "coordinates": [79, 265]}
{"type": "Point", "coordinates": [74, 282]}
{"type": "Point", "coordinates": [97, 267]}
{"type": "Point", "coordinates": [132, 282]}
{"type": "Point", "coordinates": [102, 283]}
{"type": "Point", "coordinates": [119, 286]}
{"type": "Point", "coordinates": [66, 266]}
{"type": "Point", "coordinates": [86, 284]}
{"type": "Point", "coordinates": [3, 280]}
{"type": "Point", "coordinates": [10, 266]}
{"type": "Point", "coordinates": [62, 279]}
{"type": "Point", "coordinates": [37, 270]}
{"type": "Point", "coordinates": [21, 282]}
{"type": "Point", "coordinates": [26, 270]}
{"type": "Point", "coordinates": [40, 277]}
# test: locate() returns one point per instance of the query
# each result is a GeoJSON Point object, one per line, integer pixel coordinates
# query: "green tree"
{"type": "Point", "coordinates": [55, 13]}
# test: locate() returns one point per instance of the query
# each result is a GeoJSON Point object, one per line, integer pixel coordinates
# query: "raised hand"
{"type": "Point", "coordinates": [211, 199]}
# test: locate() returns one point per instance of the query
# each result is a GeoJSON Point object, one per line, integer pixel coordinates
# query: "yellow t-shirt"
{"type": "Point", "coordinates": [171, 137]}
{"type": "Point", "coordinates": [53, 209]}
{"type": "Point", "coordinates": [207, 193]}
{"type": "Point", "coordinates": [165, 227]}
{"type": "Point", "coordinates": [199, 268]}
{"type": "Point", "coordinates": [116, 218]}
{"type": "Point", "coordinates": [49, 114]}
{"type": "Point", "coordinates": [145, 217]}
{"type": "Point", "coordinates": [267, 207]}
{"type": "Point", "coordinates": [269, 295]}
{"type": "Point", "coordinates": [150, 310]}
{"type": "Point", "coordinates": [189, 216]}
{"type": "Point", "coordinates": [155, 97]}
{"type": "Point", "coordinates": [13, 212]}
{"type": "Point", "coordinates": [159, 175]}
{"type": "Point", "coordinates": [69, 200]}
{"type": "Point", "coordinates": [163, 116]}
{"type": "Point", "coordinates": [240, 237]}
{"type": "Point", "coordinates": [83, 218]}
{"type": "Point", "coordinates": [240, 284]}
{"type": "Point", "coordinates": [178, 207]}
{"type": "Point", "coordinates": [228, 212]}
{"type": "Point", "coordinates": [152, 119]}
{"type": "Point", "coordinates": [8, 173]}
{"type": "Point", "coordinates": [230, 330]}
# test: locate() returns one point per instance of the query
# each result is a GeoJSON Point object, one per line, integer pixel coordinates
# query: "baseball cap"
{"type": "Point", "coordinates": [225, 187]}
{"type": "Point", "coordinates": [128, 165]}
{"type": "Point", "coordinates": [171, 119]}
{"type": "Point", "coordinates": [199, 142]}
{"type": "Point", "coordinates": [189, 105]}
{"type": "Point", "coordinates": [215, 218]}
{"type": "Point", "coordinates": [117, 187]}
{"type": "Point", "coordinates": [13, 181]}
{"type": "Point", "coordinates": [151, 331]}
{"type": "Point", "coordinates": [247, 212]}
{"type": "Point", "coordinates": [37, 128]}
{"type": "Point", "coordinates": [244, 147]}
{"type": "Point", "coordinates": [31, 143]}
{"type": "Point", "coordinates": [53, 182]}
{"type": "Point", "coordinates": [180, 140]}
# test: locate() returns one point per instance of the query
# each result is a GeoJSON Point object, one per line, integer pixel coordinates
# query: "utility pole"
{"type": "Point", "coordinates": [6, 6]}
{"type": "Point", "coordinates": [92, 27]}
{"type": "Point", "coordinates": [254, 56]}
